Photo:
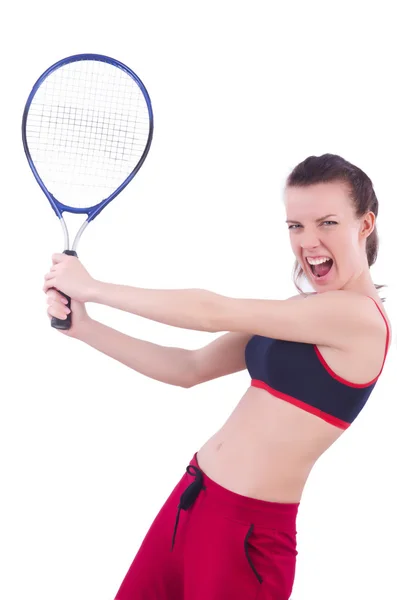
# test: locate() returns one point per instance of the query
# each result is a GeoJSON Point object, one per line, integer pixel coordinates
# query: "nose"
{"type": "Point", "coordinates": [309, 240]}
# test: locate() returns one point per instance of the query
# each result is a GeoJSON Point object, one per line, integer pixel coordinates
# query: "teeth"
{"type": "Point", "coordinates": [317, 261]}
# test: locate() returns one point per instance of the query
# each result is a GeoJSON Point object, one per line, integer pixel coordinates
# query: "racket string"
{"type": "Point", "coordinates": [87, 143]}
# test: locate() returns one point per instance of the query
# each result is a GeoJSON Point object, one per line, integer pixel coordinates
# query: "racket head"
{"type": "Point", "coordinates": [87, 128]}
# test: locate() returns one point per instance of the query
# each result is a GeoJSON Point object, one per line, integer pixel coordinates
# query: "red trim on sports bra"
{"type": "Point", "coordinates": [345, 381]}
{"type": "Point", "coordinates": [306, 407]}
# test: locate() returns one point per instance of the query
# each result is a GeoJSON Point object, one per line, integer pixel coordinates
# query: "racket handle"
{"type": "Point", "coordinates": [64, 323]}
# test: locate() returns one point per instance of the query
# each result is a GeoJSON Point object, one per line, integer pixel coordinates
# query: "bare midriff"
{"type": "Point", "coordinates": [266, 448]}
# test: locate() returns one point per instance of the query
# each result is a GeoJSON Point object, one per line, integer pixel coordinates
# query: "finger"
{"type": "Point", "coordinates": [50, 283]}
{"type": "Point", "coordinates": [51, 296]}
{"type": "Point", "coordinates": [51, 301]}
{"type": "Point", "coordinates": [58, 311]}
{"type": "Point", "coordinates": [55, 295]}
{"type": "Point", "coordinates": [60, 297]}
{"type": "Point", "coordinates": [61, 308]}
{"type": "Point", "coordinates": [57, 258]}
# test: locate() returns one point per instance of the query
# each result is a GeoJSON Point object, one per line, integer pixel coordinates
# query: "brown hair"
{"type": "Point", "coordinates": [330, 168]}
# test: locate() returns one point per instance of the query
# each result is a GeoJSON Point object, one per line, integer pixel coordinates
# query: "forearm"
{"type": "Point", "coordinates": [189, 309]}
{"type": "Point", "coordinates": [166, 364]}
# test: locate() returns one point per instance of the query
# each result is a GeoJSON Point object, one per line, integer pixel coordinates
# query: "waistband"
{"type": "Point", "coordinates": [264, 513]}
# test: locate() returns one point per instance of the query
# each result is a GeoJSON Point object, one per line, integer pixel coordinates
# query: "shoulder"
{"type": "Point", "coordinates": [348, 313]}
{"type": "Point", "coordinates": [343, 297]}
{"type": "Point", "coordinates": [364, 310]}
{"type": "Point", "coordinates": [328, 318]}
{"type": "Point", "coordinates": [340, 300]}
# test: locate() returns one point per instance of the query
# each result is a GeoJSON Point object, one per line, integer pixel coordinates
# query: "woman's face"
{"type": "Point", "coordinates": [326, 237]}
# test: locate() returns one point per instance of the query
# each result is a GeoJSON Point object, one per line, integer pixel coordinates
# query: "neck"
{"type": "Point", "coordinates": [362, 283]}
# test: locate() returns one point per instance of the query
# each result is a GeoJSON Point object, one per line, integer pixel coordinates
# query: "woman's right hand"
{"type": "Point", "coordinates": [57, 308]}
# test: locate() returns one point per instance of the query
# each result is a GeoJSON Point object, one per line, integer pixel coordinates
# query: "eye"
{"type": "Point", "coordinates": [294, 226]}
{"type": "Point", "coordinates": [329, 222]}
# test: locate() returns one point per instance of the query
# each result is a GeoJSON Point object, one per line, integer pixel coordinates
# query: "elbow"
{"type": "Point", "coordinates": [192, 377]}
{"type": "Point", "coordinates": [191, 371]}
{"type": "Point", "coordinates": [187, 385]}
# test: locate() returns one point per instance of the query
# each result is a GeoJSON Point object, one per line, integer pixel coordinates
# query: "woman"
{"type": "Point", "coordinates": [228, 529]}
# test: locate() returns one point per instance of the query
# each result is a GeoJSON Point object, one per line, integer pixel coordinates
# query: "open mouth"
{"type": "Point", "coordinates": [321, 269]}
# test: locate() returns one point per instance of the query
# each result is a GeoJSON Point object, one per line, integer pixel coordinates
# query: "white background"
{"type": "Point", "coordinates": [241, 92]}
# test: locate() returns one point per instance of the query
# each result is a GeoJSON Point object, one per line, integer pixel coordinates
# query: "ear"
{"type": "Point", "coordinates": [368, 223]}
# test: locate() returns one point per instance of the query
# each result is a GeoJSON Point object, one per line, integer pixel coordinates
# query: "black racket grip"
{"type": "Point", "coordinates": [64, 323]}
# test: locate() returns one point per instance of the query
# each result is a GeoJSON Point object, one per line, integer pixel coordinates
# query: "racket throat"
{"type": "Point", "coordinates": [66, 239]}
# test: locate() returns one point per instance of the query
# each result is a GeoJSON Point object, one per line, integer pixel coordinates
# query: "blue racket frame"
{"type": "Point", "coordinates": [92, 211]}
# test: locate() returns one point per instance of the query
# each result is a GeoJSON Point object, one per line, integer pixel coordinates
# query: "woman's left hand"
{"type": "Point", "coordinates": [68, 275]}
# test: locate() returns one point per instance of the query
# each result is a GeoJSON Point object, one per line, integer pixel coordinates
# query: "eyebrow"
{"type": "Point", "coordinates": [317, 220]}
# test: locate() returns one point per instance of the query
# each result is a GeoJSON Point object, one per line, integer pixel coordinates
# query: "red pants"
{"type": "Point", "coordinates": [208, 543]}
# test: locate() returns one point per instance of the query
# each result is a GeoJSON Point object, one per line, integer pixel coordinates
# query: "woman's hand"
{"type": "Point", "coordinates": [57, 308]}
{"type": "Point", "coordinates": [68, 275]}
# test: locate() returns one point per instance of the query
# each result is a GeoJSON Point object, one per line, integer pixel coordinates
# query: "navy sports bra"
{"type": "Point", "coordinates": [297, 373]}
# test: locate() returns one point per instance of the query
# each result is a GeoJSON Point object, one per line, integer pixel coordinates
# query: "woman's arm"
{"type": "Point", "coordinates": [330, 318]}
{"type": "Point", "coordinates": [175, 366]}
{"type": "Point", "coordinates": [185, 308]}
{"type": "Point", "coordinates": [168, 364]}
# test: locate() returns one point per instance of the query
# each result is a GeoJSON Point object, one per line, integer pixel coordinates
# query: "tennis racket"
{"type": "Point", "coordinates": [87, 128]}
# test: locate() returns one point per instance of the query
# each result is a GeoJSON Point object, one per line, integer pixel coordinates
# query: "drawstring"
{"type": "Point", "coordinates": [190, 494]}
{"type": "Point", "coordinates": [187, 499]}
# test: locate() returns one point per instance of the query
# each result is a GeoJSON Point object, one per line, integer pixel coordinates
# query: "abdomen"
{"type": "Point", "coordinates": [266, 448]}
